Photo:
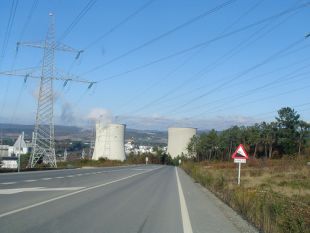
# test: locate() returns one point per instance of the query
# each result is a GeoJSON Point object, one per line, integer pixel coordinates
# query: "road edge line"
{"type": "Point", "coordinates": [187, 226]}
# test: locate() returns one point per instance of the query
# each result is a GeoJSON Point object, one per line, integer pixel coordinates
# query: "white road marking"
{"type": "Point", "coordinates": [71, 194]}
{"type": "Point", "coordinates": [46, 178]}
{"type": "Point", "coordinates": [9, 183]}
{"type": "Point", "coordinates": [70, 176]}
{"type": "Point", "coordinates": [187, 226]}
{"type": "Point", "coordinates": [36, 189]}
{"type": "Point", "coordinates": [79, 174]}
{"type": "Point", "coordinates": [29, 180]}
{"type": "Point", "coordinates": [59, 177]}
{"type": "Point", "coordinates": [140, 169]}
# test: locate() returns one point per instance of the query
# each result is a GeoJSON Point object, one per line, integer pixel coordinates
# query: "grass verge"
{"type": "Point", "coordinates": [273, 195]}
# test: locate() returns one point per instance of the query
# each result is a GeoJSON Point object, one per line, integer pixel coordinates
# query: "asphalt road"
{"type": "Point", "coordinates": [134, 199]}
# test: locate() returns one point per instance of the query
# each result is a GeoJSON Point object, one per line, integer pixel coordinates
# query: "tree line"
{"type": "Point", "coordinates": [286, 135]}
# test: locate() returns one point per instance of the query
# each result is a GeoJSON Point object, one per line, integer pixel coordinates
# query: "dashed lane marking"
{"type": "Point", "coordinates": [5, 183]}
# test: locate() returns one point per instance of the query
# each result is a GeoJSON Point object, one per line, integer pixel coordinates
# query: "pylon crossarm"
{"type": "Point", "coordinates": [62, 77]}
{"type": "Point", "coordinates": [39, 44]}
{"type": "Point", "coordinates": [66, 48]}
{"type": "Point", "coordinates": [20, 72]}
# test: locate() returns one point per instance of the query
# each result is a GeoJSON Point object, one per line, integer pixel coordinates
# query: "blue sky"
{"type": "Point", "coordinates": [250, 68]}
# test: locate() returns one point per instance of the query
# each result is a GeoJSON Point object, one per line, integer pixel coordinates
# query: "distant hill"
{"type": "Point", "coordinates": [145, 137]}
{"type": "Point", "coordinates": [13, 130]}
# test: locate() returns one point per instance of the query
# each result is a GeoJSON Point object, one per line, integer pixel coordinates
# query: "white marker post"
{"type": "Point", "coordinates": [240, 156]}
{"type": "Point", "coordinates": [146, 160]}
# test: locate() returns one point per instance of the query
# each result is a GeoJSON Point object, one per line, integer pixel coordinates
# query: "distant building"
{"type": "Point", "coordinates": [5, 150]}
{"type": "Point", "coordinates": [109, 142]}
{"type": "Point", "coordinates": [178, 140]}
{"type": "Point", "coordinates": [19, 147]}
{"type": "Point", "coordinates": [8, 162]}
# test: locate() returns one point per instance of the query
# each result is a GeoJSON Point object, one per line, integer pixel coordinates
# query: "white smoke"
{"type": "Point", "coordinates": [102, 115]}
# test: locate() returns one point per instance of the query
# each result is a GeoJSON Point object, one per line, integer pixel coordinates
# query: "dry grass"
{"type": "Point", "coordinates": [274, 194]}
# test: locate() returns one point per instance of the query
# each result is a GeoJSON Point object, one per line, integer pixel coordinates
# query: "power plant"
{"type": "Point", "coordinates": [178, 139]}
{"type": "Point", "coordinates": [109, 141]}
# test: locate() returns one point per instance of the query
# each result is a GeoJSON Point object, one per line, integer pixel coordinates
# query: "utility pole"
{"type": "Point", "coordinates": [43, 140]}
{"type": "Point", "coordinates": [65, 155]}
{"type": "Point", "coordinates": [92, 142]}
{"type": "Point", "coordinates": [21, 138]}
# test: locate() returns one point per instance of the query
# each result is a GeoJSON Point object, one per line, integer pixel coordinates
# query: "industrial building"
{"type": "Point", "coordinates": [178, 139]}
{"type": "Point", "coordinates": [109, 142]}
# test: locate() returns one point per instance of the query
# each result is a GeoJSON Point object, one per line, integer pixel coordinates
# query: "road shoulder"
{"type": "Point", "coordinates": [208, 213]}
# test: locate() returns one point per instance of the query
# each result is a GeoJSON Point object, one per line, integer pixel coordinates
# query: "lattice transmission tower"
{"type": "Point", "coordinates": [44, 137]}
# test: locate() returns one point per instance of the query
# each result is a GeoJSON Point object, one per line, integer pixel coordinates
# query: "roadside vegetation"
{"type": "Point", "coordinates": [274, 194]}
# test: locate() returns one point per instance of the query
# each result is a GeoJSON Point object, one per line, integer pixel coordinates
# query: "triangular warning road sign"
{"type": "Point", "coordinates": [240, 153]}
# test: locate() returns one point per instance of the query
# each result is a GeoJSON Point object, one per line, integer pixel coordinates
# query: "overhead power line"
{"type": "Point", "coordinates": [204, 43]}
{"type": "Point", "coordinates": [219, 61]}
{"type": "Point", "coordinates": [226, 82]}
{"type": "Point", "coordinates": [8, 29]}
{"type": "Point", "coordinates": [275, 83]}
{"type": "Point", "coordinates": [77, 19]}
{"type": "Point", "coordinates": [192, 56]}
{"type": "Point", "coordinates": [114, 28]}
{"type": "Point", "coordinates": [165, 34]}
{"type": "Point", "coordinates": [28, 19]}
{"type": "Point", "coordinates": [119, 24]}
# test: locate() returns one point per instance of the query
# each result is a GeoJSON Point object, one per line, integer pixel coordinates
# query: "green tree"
{"type": "Point", "coordinates": [288, 121]}
{"type": "Point", "coordinates": [254, 136]}
{"type": "Point", "coordinates": [212, 144]}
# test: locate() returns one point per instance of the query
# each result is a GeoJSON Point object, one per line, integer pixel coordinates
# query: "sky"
{"type": "Point", "coordinates": [157, 63]}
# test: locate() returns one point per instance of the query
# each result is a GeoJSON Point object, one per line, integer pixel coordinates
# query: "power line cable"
{"type": "Point", "coordinates": [204, 43]}
{"type": "Point", "coordinates": [114, 28]}
{"type": "Point", "coordinates": [77, 19]}
{"type": "Point", "coordinates": [165, 34]}
{"type": "Point", "coordinates": [119, 24]}
{"type": "Point", "coordinates": [244, 80]}
{"type": "Point", "coordinates": [8, 29]}
{"type": "Point", "coordinates": [275, 83]}
{"type": "Point", "coordinates": [273, 57]}
{"type": "Point", "coordinates": [5, 45]}
{"type": "Point", "coordinates": [28, 19]}
{"type": "Point", "coordinates": [183, 63]}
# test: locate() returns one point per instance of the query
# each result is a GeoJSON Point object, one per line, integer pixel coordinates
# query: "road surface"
{"type": "Point", "coordinates": [133, 199]}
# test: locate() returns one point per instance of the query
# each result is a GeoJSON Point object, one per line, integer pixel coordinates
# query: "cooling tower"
{"type": "Point", "coordinates": [109, 142]}
{"type": "Point", "coordinates": [178, 139]}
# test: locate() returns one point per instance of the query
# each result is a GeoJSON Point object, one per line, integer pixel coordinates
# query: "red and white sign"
{"type": "Point", "coordinates": [240, 156]}
{"type": "Point", "coordinates": [240, 153]}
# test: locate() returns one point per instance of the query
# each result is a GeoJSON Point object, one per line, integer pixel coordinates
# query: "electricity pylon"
{"type": "Point", "coordinates": [44, 138]}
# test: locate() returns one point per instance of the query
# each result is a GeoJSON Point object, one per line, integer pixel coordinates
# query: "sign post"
{"type": "Point", "coordinates": [240, 156]}
{"type": "Point", "coordinates": [146, 160]}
